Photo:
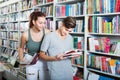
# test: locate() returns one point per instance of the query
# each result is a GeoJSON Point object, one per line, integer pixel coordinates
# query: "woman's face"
{"type": "Point", "coordinates": [40, 23]}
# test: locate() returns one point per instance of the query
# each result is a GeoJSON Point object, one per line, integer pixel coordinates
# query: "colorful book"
{"type": "Point", "coordinates": [72, 53]}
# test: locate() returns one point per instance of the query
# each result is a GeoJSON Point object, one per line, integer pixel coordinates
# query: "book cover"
{"type": "Point", "coordinates": [28, 59]}
{"type": "Point", "coordinates": [112, 64]}
{"type": "Point", "coordinates": [72, 53]}
{"type": "Point", "coordinates": [104, 65]}
{"type": "Point", "coordinates": [117, 68]}
{"type": "Point", "coordinates": [12, 60]}
{"type": "Point", "coordinates": [35, 59]}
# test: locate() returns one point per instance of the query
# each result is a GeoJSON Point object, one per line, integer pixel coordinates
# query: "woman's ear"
{"type": "Point", "coordinates": [33, 21]}
{"type": "Point", "coordinates": [62, 24]}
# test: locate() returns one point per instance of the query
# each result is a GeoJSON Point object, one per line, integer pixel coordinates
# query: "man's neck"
{"type": "Point", "coordinates": [60, 34]}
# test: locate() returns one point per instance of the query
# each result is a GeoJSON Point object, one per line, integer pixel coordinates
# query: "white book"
{"type": "Point", "coordinates": [29, 59]}
{"type": "Point", "coordinates": [93, 76]}
{"type": "Point", "coordinates": [72, 53]}
{"type": "Point", "coordinates": [117, 50]}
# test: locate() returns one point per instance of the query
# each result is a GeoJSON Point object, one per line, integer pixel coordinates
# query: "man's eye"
{"type": "Point", "coordinates": [66, 29]}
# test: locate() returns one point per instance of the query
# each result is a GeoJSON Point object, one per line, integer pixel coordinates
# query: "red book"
{"type": "Point", "coordinates": [79, 45]}
{"type": "Point", "coordinates": [90, 25]}
{"type": "Point", "coordinates": [35, 59]}
{"type": "Point", "coordinates": [63, 10]}
{"type": "Point", "coordinates": [107, 47]}
{"type": "Point", "coordinates": [101, 6]}
{"type": "Point", "coordinates": [104, 65]}
{"type": "Point", "coordinates": [117, 6]}
{"type": "Point", "coordinates": [48, 1]}
{"type": "Point", "coordinates": [76, 78]}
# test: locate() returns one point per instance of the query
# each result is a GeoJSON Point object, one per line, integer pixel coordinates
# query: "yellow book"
{"type": "Point", "coordinates": [98, 5]}
{"type": "Point", "coordinates": [110, 27]}
{"type": "Point", "coordinates": [112, 64]}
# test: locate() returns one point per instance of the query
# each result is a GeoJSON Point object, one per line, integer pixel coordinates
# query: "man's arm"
{"type": "Point", "coordinates": [43, 56]}
{"type": "Point", "coordinates": [58, 57]}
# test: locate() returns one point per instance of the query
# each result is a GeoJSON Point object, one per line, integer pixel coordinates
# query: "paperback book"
{"type": "Point", "coordinates": [72, 53]}
{"type": "Point", "coordinates": [29, 59]}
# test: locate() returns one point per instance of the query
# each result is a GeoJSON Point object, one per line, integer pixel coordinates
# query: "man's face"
{"type": "Point", "coordinates": [65, 31]}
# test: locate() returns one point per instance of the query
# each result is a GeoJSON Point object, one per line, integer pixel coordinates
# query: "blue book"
{"type": "Point", "coordinates": [117, 68]}
{"type": "Point", "coordinates": [79, 8]}
{"type": "Point", "coordinates": [103, 10]}
{"type": "Point", "coordinates": [67, 10]}
{"type": "Point", "coordinates": [105, 78]}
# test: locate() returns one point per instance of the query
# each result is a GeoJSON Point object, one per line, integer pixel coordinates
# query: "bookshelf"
{"type": "Point", "coordinates": [87, 35]}
{"type": "Point", "coordinates": [11, 27]}
{"type": "Point", "coordinates": [103, 33]}
{"type": "Point", "coordinates": [74, 8]}
{"type": "Point", "coordinates": [14, 20]}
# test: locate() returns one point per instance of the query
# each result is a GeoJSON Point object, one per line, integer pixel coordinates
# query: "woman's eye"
{"type": "Point", "coordinates": [40, 23]}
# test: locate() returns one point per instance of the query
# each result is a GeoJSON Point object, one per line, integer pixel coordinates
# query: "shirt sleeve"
{"type": "Point", "coordinates": [71, 43]}
{"type": "Point", "coordinates": [45, 43]}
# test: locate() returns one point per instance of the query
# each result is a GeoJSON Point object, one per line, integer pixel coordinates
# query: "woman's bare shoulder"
{"type": "Point", "coordinates": [25, 35]}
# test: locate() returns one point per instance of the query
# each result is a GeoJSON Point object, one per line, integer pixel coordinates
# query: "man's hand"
{"type": "Point", "coordinates": [60, 57]}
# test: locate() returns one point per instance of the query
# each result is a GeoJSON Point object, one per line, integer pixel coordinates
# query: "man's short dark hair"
{"type": "Point", "coordinates": [69, 22]}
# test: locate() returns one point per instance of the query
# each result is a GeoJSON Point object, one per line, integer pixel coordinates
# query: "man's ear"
{"type": "Point", "coordinates": [61, 24]}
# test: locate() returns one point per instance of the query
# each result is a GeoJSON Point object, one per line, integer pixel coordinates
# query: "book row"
{"type": "Point", "coordinates": [105, 64]}
{"type": "Point", "coordinates": [110, 25]}
{"type": "Point", "coordinates": [69, 9]}
{"type": "Point", "coordinates": [103, 6]}
{"type": "Point", "coordinates": [104, 44]}
{"type": "Point", "coordinates": [23, 5]}
{"type": "Point", "coordinates": [12, 44]}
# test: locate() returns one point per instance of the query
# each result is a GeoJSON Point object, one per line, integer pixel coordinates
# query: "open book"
{"type": "Point", "coordinates": [28, 59]}
{"type": "Point", "coordinates": [72, 53]}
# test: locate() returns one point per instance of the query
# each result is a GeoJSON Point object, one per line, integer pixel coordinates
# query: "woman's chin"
{"type": "Point", "coordinates": [39, 29]}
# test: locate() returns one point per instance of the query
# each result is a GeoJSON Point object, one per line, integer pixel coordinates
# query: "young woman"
{"type": "Point", "coordinates": [55, 44]}
{"type": "Point", "coordinates": [32, 39]}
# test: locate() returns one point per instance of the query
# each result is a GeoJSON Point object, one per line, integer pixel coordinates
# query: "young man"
{"type": "Point", "coordinates": [53, 47]}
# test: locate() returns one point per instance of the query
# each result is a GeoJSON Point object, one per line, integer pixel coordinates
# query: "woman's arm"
{"type": "Point", "coordinates": [23, 42]}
